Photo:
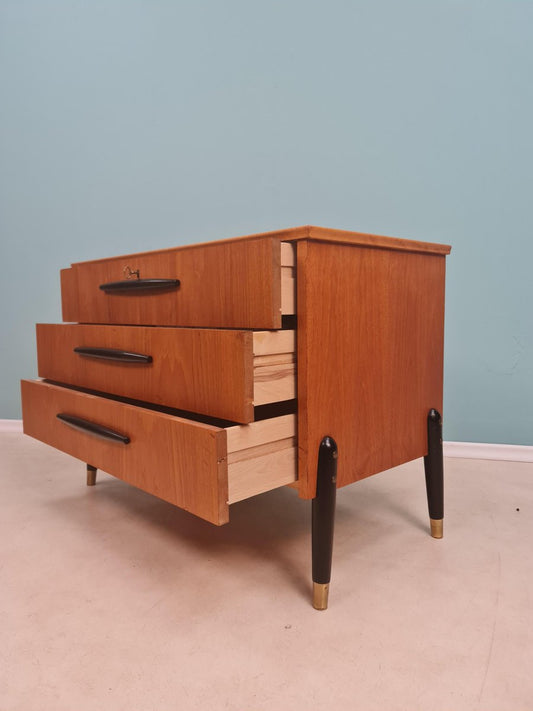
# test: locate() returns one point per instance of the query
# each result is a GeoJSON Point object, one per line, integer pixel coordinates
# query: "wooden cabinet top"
{"type": "Point", "coordinates": [311, 232]}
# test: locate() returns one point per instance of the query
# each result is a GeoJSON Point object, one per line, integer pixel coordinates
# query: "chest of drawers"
{"type": "Point", "coordinates": [211, 373]}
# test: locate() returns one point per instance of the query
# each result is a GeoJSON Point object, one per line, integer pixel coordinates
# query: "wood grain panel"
{"type": "Point", "coordinates": [179, 461]}
{"type": "Point", "coordinates": [292, 235]}
{"type": "Point", "coordinates": [261, 456]}
{"type": "Point", "coordinates": [69, 295]}
{"type": "Point", "coordinates": [260, 451]}
{"type": "Point", "coordinates": [223, 285]}
{"type": "Point", "coordinates": [362, 239]}
{"type": "Point", "coordinates": [370, 355]}
{"type": "Point", "coordinates": [274, 383]}
{"type": "Point", "coordinates": [207, 371]}
{"type": "Point", "coordinates": [259, 433]}
{"type": "Point", "coordinates": [270, 471]}
{"type": "Point", "coordinates": [270, 342]}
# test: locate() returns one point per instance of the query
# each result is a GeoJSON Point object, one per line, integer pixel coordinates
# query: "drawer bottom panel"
{"type": "Point", "coordinates": [196, 466]}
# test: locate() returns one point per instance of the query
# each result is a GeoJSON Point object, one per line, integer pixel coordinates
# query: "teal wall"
{"type": "Point", "coordinates": [129, 125]}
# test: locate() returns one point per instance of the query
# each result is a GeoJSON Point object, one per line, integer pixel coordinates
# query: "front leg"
{"type": "Point", "coordinates": [434, 470]}
{"type": "Point", "coordinates": [323, 520]}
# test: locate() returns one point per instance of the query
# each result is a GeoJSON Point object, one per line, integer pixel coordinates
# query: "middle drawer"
{"type": "Point", "coordinates": [216, 372]}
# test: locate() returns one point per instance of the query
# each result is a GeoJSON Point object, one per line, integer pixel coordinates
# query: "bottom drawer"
{"type": "Point", "coordinates": [199, 467]}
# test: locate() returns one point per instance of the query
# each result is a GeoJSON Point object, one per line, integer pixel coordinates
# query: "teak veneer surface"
{"type": "Point", "coordinates": [370, 317]}
{"type": "Point", "coordinates": [304, 232]}
{"type": "Point", "coordinates": [214, 372]}
{"type": "Point", "coordinates": [199, 467]}
{"type": "Point", "coordinates": [223, 285]}
{"type": "Point", "coordinates": [370, 355]}
{"type": "Point", "coordinates": [206, 371]}
{"type": "Point", "coordinates": [177, 460]}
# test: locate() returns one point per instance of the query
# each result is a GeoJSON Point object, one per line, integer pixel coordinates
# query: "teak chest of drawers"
{"type": "Point", "coordinates": [211, 373]}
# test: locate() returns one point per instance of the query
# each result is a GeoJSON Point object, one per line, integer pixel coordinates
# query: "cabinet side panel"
{"type": "Point", "coordinates": [370, 356]}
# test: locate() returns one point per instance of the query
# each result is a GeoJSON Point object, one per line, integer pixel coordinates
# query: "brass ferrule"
{"type": "Point", "coordinates": [320, 596]}
{"type": "Point", "coordinates": [436, 527]}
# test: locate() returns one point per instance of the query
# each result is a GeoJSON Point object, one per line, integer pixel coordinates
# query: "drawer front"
{"type": "Point", "coordinates": [198, 467]}
{"type": "Point", "coordinates": [225, 285]}
{"type": "Point", "coordinates": [220, 373]}
{"type": "Point", "coordinates": [177, 460]}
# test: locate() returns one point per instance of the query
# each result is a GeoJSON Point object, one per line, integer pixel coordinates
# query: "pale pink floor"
{"type": "Point", "coordinates": [112, 599]}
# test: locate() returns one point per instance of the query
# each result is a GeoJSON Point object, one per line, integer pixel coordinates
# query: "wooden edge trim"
{"type": "Point", "coordinates": [286, 235]}
{"type": "Point", "coordinates": [271, 342]}
{"type": "Point", "coordinates": [256, 433]}
{"type": "Point", "coordinates": [294, 234]}
{"type": "Point", "coordinates": [306, 475]}
{"type": "Point", "coordinates": [275, 284]}
{"type": "Point", "coordinates": [377, 241]}
{"type": "Point", "coordinates": [69, 295]}
{"type": "Point", "coordinates": [261, 450]}
{"type": "Point", "coordinates": [222, 492]}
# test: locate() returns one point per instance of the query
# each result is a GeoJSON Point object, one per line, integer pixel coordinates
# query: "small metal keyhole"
{"type": "Point", "coordinates": [129, 273]}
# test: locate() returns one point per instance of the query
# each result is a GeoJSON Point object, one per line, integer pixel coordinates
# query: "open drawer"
{"type": "Point", "coordinates": [215, 372]}
{"type": "Point", "coordinates": [199, 467]}
{"type": "Point", "coordinates": [241, 284]}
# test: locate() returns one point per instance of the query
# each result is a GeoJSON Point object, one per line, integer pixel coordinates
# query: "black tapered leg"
{"type": "Point", "coordinates": [323, 521]}
{"type": "Point", "coordinates": [91, 475]}
{"type": "Point", "coordinates": [434, 468]}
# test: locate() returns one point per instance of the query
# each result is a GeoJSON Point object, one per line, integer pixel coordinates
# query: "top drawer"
{"type": "Point", "coordinates": [241, 284]}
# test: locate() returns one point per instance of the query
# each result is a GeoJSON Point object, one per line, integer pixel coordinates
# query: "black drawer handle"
{"type": "Point", "coordinates": [113, 354]}
{"type": "Point", "coordinates": [139, 286]}
{"type": "Point", "coordinates": [78, 423]}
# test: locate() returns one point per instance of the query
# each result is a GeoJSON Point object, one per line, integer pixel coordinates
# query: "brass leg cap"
{"type": "Point", "coordinates": [320, 596]}
{"type": "Point", "coordinates": [436, 527]}
{"type": "Point", "coordinates": [91, 475]}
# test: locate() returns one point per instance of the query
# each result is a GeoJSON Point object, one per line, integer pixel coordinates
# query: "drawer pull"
{"type": "Point", "coordinates": [139, 286]}
{"type": "Point", "coordinates": [78, 423]}
{"type": "Point", "coordinates": [113, 354]}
